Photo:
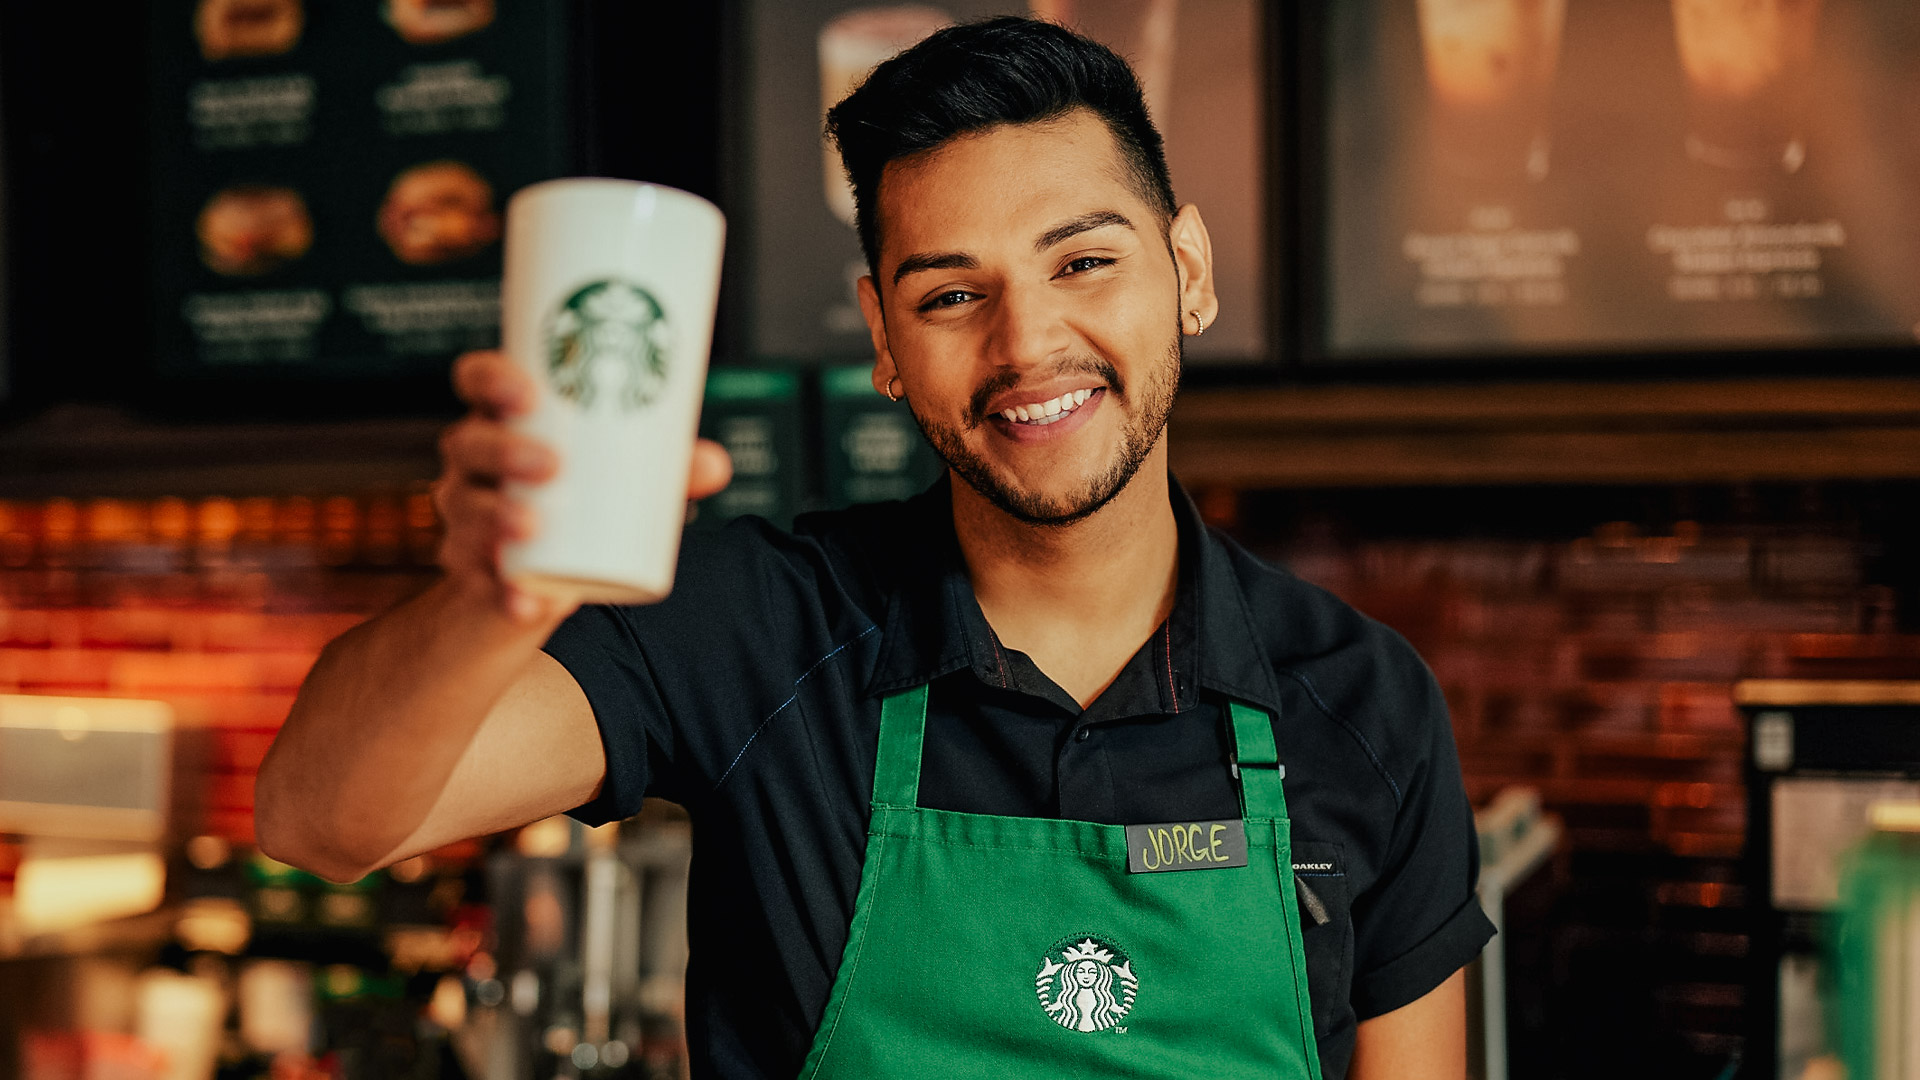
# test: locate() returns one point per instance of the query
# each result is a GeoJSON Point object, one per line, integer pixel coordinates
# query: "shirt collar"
{"type": "Point", "coordinates": [934, 625]}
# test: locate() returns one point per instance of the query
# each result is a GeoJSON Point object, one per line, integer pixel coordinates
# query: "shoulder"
{"type": "Point", "coordinates": [1349, 668]}
{"type": "Point", "coordinates": [874, 538]}
{"type": "Point", "coordinates": [853, 550]}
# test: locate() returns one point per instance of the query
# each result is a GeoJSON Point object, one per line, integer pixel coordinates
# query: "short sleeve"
{"type": "Point", "coordinates": [595, 647]}
{"type": "Point", "coordinates": [679, 687]}
{"type": "Point", "coordinates": [1421, 920]}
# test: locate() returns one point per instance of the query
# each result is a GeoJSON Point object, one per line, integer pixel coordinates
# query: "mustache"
{"type": "Point", "coordinates": [1003, 381]}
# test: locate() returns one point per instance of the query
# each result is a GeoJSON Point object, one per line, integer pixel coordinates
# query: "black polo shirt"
{"type": "Point", "coordinates": [751, 696]}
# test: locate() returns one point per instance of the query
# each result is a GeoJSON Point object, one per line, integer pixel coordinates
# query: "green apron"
{"type": "Point", "coordinates": [993, 947]}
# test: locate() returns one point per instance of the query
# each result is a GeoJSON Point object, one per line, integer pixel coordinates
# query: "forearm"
{"type": "Point", "coordinates": [380, 724]}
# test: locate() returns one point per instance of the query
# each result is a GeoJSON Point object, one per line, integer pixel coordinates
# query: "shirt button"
{"type": "Point", "coordinates": [1082, 735]}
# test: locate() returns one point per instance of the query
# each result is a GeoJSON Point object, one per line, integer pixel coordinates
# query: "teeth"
{"type": "Point", "coordinates": [1045, 412]}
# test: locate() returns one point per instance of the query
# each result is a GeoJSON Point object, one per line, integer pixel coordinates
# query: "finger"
{"type": "Point", "coordinates": [487, 452]}
{"type": "Point", "coordinates": [712, 469]}
{"type": "Point", "coordinates": [522, 605]}
{"type": "Point", "coordinates": [487, 514]}
{"type": "Point", "coordinates": [478, 520]}
{"type": "Point", "coordinates": [537, 606]}
{"type": "Point", "coordinates": [469, 531]}
{"type": "Point", "coordinates": [492, 384]}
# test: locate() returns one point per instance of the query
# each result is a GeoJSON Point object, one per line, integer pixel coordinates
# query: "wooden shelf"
{"type": "Point", "coordinates": [1789, 692]}
{"type": "Point", "coordinates": [1544, 433]}
{"type": "Point", "coordinates": [1699, 431]}
{"type": "Point", "coordinates": [81, 451]}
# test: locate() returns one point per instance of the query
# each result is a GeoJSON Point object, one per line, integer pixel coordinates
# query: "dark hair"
{"type": "Point", "coordinates": [979, 75]}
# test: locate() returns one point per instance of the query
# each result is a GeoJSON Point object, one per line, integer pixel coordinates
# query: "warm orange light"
{"type": "Point", "coordinates": [53, 894]}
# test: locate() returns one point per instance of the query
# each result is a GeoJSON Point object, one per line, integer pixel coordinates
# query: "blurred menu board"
{"type": "Point", "coordinates": [758, 417]}
{"type": "Point", "coordinates": [329, 179]}
{"type": "Point", "coordinates": [1201, 66]}
{"type": "Point", "coordinates": [1541, 177]}
{"type": "Point", "coordinates": [870, 447]}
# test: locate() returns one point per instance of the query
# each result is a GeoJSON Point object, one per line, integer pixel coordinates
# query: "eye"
{"type": "Point", "coordinates": [950, 298]}
{"type": "Point", "coordinates": [1083, 264]}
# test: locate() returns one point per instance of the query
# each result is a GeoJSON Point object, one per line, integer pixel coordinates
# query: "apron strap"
{"type": "Point", "coordinates": [1257, 762]}
{"type": "Point", "coordinates": [896, 766]}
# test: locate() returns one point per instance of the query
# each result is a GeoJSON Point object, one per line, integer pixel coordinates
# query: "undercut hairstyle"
{"type": "Point", "coordinates": [979, 75]}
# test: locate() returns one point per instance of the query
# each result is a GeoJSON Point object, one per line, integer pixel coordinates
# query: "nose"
{"type": "Point", "coordinates": [1029, 328]}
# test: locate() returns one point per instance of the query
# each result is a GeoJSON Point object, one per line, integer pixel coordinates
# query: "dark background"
{"type": "Point", "coordinates": [75, 96]}
{"type": "Point", "coordinates": [1618, 114]}
{"type": "Point", "coordinates": [652, 96]}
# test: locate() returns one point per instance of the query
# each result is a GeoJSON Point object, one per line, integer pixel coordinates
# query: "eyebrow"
{"type": "Point", "coordinates": [959, 260]}
{"type": "Point", "coordinates": [1072, 227]}
{"type": "Point", "coordinates": [948, 260]}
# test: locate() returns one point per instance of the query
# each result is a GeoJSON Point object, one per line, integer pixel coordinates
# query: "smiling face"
{"type": "Point", "coordinates": [1030, 306]}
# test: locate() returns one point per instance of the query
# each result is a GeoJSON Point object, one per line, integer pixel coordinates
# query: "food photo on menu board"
{"type": "Point", "coordinates": [1202, 68]}
{"type": "Point", "coordinates": [337, 175]}
{"type": "Point", "coordinates": [249, 229]}
{"type": "Point", "coordinates": [1536, 177]}
{"type": "Point", "coordinates": [430, 22]}
{"type": "Point", "coordinates": [438, 212]}
{"type": "Point", "coordinates": [227, 29]}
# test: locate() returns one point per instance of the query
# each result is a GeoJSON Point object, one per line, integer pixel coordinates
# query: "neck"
{"type": "Point", "coordinates": [1078, 599]}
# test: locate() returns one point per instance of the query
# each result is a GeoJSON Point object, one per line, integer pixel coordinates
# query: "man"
{"type": "Point", "coordinates": [911, 735]}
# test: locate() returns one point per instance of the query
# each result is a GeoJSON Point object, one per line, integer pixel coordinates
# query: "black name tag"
{"type": "Point", "coordinates": [1186, 845]}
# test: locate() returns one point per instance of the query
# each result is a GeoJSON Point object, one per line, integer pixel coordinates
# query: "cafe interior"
{"type": "Point", "coordinates": [1576, 342]}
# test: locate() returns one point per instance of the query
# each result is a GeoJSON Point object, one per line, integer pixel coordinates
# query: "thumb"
{"type": "Point", "coordinates": [711, 471]}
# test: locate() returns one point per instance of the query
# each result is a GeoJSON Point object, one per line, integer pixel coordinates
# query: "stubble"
{"type": "Point", "coordinates": [1147, 405]}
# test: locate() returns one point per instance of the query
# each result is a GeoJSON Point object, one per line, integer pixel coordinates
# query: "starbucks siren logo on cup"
{"type": "Point", "coordinates": [608, 346]}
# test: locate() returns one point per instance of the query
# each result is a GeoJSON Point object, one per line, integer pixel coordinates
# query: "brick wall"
{"type": "Point", "coordinates": [1597, 668]}
{"type": "Point", "coordinates": [1600, 669]}
{"type": "Point", "coordinates": [218, 606]}
{"type": "Point", "coordinates": [1592, 655]}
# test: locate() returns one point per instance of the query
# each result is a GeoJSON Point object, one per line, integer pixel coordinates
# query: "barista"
{"type": "Point", "coordinates": [1030, 775]}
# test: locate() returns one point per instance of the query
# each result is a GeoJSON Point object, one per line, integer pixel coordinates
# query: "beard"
{"type": "Point", "coordinates": [1148, 406]}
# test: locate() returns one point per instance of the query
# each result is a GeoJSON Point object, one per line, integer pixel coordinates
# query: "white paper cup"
{"type": "Point", "coordinates": [608, 301]}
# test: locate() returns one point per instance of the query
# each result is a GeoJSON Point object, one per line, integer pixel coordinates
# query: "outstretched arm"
{"type": "Point", "coordinates": [442, 719]}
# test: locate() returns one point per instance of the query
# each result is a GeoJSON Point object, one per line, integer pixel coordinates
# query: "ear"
{"type": "Point", "coordinates": [883, 369]}
{"type": "Point", "coordinates": [1193, 261]}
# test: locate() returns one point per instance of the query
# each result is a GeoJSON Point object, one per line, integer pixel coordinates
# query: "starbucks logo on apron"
{"type": "Point", "coordinates": [1086, 984]}
{"type": "Point", "coordinates": [608, 346]}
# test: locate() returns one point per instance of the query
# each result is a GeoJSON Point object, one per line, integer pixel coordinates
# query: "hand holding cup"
{"type": "Point", "coordinates": [567, 483]}
{"type": "Point", "coordinates": [483, 455]}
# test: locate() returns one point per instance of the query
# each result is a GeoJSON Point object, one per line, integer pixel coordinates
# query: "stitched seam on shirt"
{"type": "Point", "coordinates": [994, 640]}
{"type": "Point", "coordinates": [1379, 766]}
{"type": "Point", "coordinates": [804, 676]}
{"type": "Point", "coordinates": [1173, 691]}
